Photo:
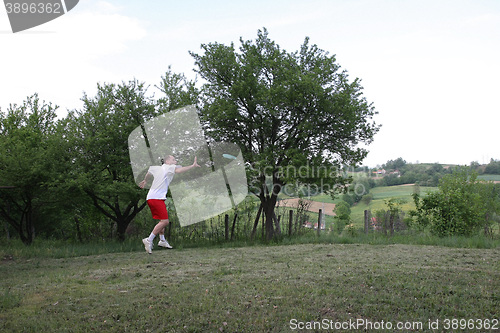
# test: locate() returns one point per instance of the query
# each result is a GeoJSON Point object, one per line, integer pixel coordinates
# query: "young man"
{"type": "Point", "coordinates": [162, 176]}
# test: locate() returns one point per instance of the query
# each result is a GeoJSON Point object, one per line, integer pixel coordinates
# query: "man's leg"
{"type": "Point", "coordinates": [163, 242]}
{"type": "Point", "coordinates": [159, 227]}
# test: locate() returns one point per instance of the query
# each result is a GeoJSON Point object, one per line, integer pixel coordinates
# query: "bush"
{"type": "Point", "coordinates": [349, 199]}
{"type": "Point", "coordinates": [460, 207]}
{"type": "Point", "coordinates": [342, 215]}
{"type": "Point", "coordinates": [367, 198]}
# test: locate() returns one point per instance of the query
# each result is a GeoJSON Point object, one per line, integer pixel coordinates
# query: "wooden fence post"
{"type": "Point", "coordinates": [391, 223]}
{"type": "Point", "coordinates": [386, 221]}
{"type": "Point", "coordinates": [367, 222]}
{"type": "Point", "coordinates": [226, 227]}
{"type": "Point", "coordinates": [278, 228]}
{"type": "Point", "coordinates": [290, 223]}
{"type": "Point", "coordinates": [319, 221]}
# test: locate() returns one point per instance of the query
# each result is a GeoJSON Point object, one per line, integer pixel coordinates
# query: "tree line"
{"type": "Point", "coordinates": [72, 175]}
{"type": "Point", "coordinates": [60, 173]}
{"type": "Point", "coordinates": [400, 172]}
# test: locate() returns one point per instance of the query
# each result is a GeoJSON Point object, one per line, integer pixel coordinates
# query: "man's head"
{"type": "Point", "coordinates": [169, 159]}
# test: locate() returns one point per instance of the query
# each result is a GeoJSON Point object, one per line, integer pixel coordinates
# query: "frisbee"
{"type": "Point", "coordinates": [228, 156]}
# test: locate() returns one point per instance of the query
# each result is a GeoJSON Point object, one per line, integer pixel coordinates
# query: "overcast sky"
{"type": "Point", "coordinates": [430, 67]}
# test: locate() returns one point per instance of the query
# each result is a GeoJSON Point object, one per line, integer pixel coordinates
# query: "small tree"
{"type": "Point", "coordinates": [394, 205]}
{"type": "Point", "coordinates": [342, 215]}
{"type": "Point", "coordinates": [367, 198]}
{"type": "Point", "coordinates": [461, 206]}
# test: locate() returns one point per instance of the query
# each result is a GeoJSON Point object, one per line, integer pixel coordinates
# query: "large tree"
{"type": "Point", "coordinates": [288, 112]}
{"type": "Point", "coordinates": [28, 160]}
{"type": "Point", "coordinates": [98, 139]}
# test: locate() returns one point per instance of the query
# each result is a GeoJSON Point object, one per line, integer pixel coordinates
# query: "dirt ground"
{"type": "Point", "coordinates": [326, 208]}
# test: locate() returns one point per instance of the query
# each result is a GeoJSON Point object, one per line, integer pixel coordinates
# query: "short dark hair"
{"type": "Point", "coordinates": [166, 156]}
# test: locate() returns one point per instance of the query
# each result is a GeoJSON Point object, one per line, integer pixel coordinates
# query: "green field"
{"type": "Point", "coordinates": [380, 196]}
{"type": "Point", "coordinates": [398, 191]}
{"type": "Point", "coordinates": [489, 177]}
{"type": "Point", "coordinates": [251, 289]}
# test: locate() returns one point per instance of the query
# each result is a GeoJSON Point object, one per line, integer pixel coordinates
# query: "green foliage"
{"type": "Point", "coordinates": [99, 141]}
{"type": "Point", "coordinates": [29, 159]}
{"type": "Point", "coordinates": [357, 190]}
{"type": "Point", "coordinates": [177, 91]}
{"type": "Point", "coordinates": [342, 215]}
{"type": "Point", "coordinates": [284, 109]}
{"type": "Point", "coordinates": [461, 206]}
{"type": "Point", "coordinates": [348, 198]}
{"type": "Point", "coordinates": [342, 210]}
{"type": "Point", "coordinates": [396, 164]}
{"type": "Point", "coordinates": [399, 172]}
{"type": "Point", "coordinates": [493, 167]}
{"type": "Point", "coordinates": [367, 198]}
{"type": "Point", "coordinates": [394, 205]}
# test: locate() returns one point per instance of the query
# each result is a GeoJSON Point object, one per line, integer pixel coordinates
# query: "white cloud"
{"type": "Point", "coordinates": [62, 58]}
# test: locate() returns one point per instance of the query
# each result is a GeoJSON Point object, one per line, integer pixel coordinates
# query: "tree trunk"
{"type": "Point", "coordinates": [269, 213]}
{"type": "Point", "coordinates": [268, 202]}
{"type": "Point", "coordinates": [24, 224]}
{"type": "Point", "coordinates": [113, 211]}
{"type": "Point", "coordinates": [6, 227]}
{"type": "Point", "coordinates": [277, 224]}
{"type": "Point", "coordinates": [78, 230]}
{"type": "Point", "coordinates": [121, 227]}
{"type": "Point", "coordinates": [234, 225]}
{"type": "Point", "coordinates": [27, 235]}
{"type": "Point", "coordinates": [269, 205]}
{"type": "Point", "coordinates": [256, 222]}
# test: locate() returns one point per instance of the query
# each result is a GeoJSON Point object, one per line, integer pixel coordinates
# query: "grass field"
{"type": "Point", "coordinates": [251, 289]}
{"type": "Point", "coordinates": [384, 193]}
{"type": "Point", "coordinates": [489, 177]}
{"type": "Point", "coordinates": [380, 196]}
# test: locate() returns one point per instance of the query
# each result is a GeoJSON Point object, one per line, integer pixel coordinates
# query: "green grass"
{"type": "Point", "coordinates": [60, 249]}
{"type": "Point", "coordinates": [489, 177]}
{"type": "Point", "coordinates": [398, 191]}
{"type": "Point", "coordinates": [248, 289]}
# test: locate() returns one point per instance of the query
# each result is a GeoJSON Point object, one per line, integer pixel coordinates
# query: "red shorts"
{"type": "Point", "coordinates": [158, 209]}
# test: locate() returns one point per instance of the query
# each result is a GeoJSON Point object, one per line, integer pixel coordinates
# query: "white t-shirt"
{"type": "Point", "coordinates": [163, 175]}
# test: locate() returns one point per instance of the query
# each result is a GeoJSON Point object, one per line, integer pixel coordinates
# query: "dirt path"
{"type": "Point", "coordinates": [327, 208]}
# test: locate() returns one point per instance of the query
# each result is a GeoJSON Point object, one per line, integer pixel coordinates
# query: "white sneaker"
{"type": "Point", "coordinates": [148, 245]}
{"type": "Point", "coordinates": [164, 243]}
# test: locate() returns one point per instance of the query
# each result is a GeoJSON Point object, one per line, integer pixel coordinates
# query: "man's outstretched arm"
{"type": "Point", "coordinates": [186, 168]}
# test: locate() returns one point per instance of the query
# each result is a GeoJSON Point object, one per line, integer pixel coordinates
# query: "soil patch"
{"type": "Point", "coordinates": [326, 208]}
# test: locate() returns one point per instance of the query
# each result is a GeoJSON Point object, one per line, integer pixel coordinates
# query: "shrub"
{"type": "Point", "coordinates": [342, 215]}
{"type": "Point", "coordinates": [461, 206]}
{"type": "Point", "coordinates": [367, 198]}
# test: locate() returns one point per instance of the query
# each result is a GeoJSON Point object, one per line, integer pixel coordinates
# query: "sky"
{"type": "Point", "coordinates": [431, 68]}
